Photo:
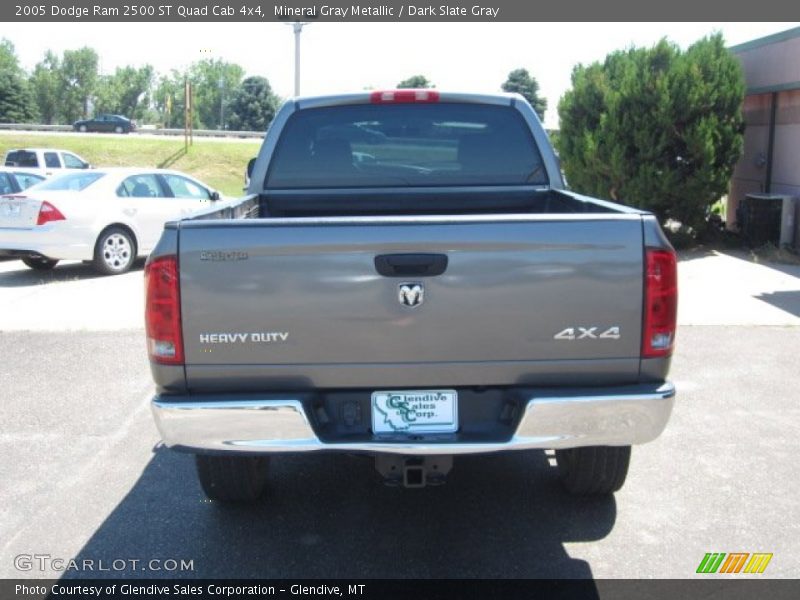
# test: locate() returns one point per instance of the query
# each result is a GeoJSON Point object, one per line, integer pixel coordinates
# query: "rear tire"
{"type": "Point", "coordinates": [594, 470]}
{"type": "Point", "coordinates": [234, 479]}
{"type": "Point", "coordinates": [39, 264]}
{"type": "Point", "coordinates": [82, 129]}
{"type": "Point", "coordinates": [114, 252]}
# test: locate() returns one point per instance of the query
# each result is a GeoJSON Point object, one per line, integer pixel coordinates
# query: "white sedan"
{"type": "Point", "coordinates": [106, 216]}
{"type": "Point", "coordinates": [16, 179]}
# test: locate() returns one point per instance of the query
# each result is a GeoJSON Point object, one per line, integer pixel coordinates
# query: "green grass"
{"type": "Point", "coordinates": [220, 164]}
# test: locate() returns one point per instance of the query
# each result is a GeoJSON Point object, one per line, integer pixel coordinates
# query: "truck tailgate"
{"type": "Point", "coordinates": [299, 302]}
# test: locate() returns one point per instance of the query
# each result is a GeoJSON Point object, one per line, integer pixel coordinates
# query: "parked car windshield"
{"type": "Point", "coordinates": [73, 181]}
{"type": "Point", "coordinates": [5, 184]}
{"type": "Point", "coordinates": [26, 180]}
{"type": "Point", "coordinates": [401, 145]}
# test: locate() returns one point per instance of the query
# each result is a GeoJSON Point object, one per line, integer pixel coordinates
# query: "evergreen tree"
{"type": "Point", "coordinates": [657, 128]}
{"type": "Point", "coordinates": [17, 104]}
{"type": "Point", "coordinates": [16, 101]}
{"type": "Point", "coordinates": [521, 82]}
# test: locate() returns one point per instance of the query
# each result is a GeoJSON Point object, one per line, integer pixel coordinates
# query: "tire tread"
{"type": "Point", "coordinates": [593, 470]}
{"type": "Point", "coordinates": [232, 478]}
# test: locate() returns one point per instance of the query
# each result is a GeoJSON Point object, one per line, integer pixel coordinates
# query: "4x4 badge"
{"type": "Point", "coordinates": [588, 333]}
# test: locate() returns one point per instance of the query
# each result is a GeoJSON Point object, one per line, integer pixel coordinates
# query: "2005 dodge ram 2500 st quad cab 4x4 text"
{"type": "Point", "coordinates": [408, 278]}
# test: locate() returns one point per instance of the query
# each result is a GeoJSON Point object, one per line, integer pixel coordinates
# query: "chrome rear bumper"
{"type": "Point", "coordinates": [553, 419]}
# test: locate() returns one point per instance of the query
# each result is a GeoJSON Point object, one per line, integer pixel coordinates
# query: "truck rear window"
{"type": "Point", "coordinates": [401, 145]}
{"type": "Point", "coordinates": [21, 158]}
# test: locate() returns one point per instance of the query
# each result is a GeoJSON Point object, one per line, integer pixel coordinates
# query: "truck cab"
{"type": "Point", "coordinates": [48, 161]}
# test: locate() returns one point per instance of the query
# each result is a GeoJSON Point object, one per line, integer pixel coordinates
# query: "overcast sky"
{"type": "Point", "coordinates": [339, 57]}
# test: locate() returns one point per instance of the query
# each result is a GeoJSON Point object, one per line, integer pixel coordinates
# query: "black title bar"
{"type": "Point", "coordinates": [388, 589]}
{"type": "Point", "coordinates": [395, 10]}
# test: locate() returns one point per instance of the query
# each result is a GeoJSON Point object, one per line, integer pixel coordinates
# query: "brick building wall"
{"type": "Point", "coordinates": [772, 75]}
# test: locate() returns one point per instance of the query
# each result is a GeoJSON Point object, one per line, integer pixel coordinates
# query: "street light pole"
{"type": "Point", "coordinates": [298, 29]}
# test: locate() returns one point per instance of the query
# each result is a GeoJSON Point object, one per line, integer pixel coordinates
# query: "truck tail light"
{"type": "Point", "coordinates": [162, 313]}
{"type": "Point", "coordinates": [404, 97]}
{"type": "Point", "coordinates": [48, 213]}
{"type": "Point", "coordinates": [660, 303]}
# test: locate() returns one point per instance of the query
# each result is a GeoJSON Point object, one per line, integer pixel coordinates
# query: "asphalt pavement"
{"type": "Point", "coordinates": [84, 475]}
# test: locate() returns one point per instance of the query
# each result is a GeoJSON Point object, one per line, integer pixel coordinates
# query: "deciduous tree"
{"type": "Point", "coordinates": [125, 92]}
{"type": "Point", "coordinates": [416, 81]}
{"type": "Point", "coordinates": [214, 80]}
{"type": "Point", "coordinates": [252, 106]}
{"type": "Point", "coordinates": [78, 82]}
{"type": "Point", "coordinates": [45, 84]}
{"type": "Point", "coordinates": [168, 99]}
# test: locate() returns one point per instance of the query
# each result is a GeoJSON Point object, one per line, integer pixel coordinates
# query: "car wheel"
{"type": "Point", "coordinates": [82, 129]}
{"type": "Point", "coordinates": [114, 252]}
{"type": "Point", "coordinates": [118, 129]}
{"type": "Point", "coordinates": [39, 264]}
{"type": "Point", "coordinates": [232, 478]}
{"type": "Point", "coordinates": [594, 470]}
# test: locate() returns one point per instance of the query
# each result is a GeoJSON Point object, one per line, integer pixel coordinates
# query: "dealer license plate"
{"type": "Point", "coordinates": [415, 411]}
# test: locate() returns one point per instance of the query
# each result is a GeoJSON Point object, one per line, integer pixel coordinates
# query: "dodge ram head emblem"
{"type": "Point", "coordinates": [410, 294]}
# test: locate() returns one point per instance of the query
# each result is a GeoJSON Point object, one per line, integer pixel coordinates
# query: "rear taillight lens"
{"type": "Point", "coordinates": [660, 303]}
{"type": "Point", "coordinates": [49, 213]}
{"type": "Point", "coordinates": [162, 312]}
{"type": "Point", "coordinates": [404, 96]}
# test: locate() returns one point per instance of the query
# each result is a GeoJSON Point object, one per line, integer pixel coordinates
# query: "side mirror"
{"type": "Point", "coordinates": [214, 195]}
{"type": "Point", "coordinates": [250, 164]}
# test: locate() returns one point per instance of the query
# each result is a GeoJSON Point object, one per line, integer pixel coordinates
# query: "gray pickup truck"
{"type": "Point", "coordinates": [408, 278]}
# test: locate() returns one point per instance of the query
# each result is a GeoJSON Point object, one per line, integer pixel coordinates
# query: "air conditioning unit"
{"type": "Point", "coordinates": [766, 218]}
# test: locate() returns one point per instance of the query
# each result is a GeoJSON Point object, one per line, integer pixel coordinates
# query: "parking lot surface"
{"type": "Point", "coordinates": [84, 475]}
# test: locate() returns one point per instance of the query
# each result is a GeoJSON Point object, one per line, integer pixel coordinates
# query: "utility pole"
{"type": "Point", "coordinates": [187, 115]}
{"type": "Point", "coordinates": [221, 102]}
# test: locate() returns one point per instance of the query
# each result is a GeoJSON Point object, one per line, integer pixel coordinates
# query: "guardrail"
{"type": "Point", "coordinates": [143, 130]}
{"type": "Point", "coordinates": [205, 133]}
{"type": "Point", "coordinates": [34, 127]}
